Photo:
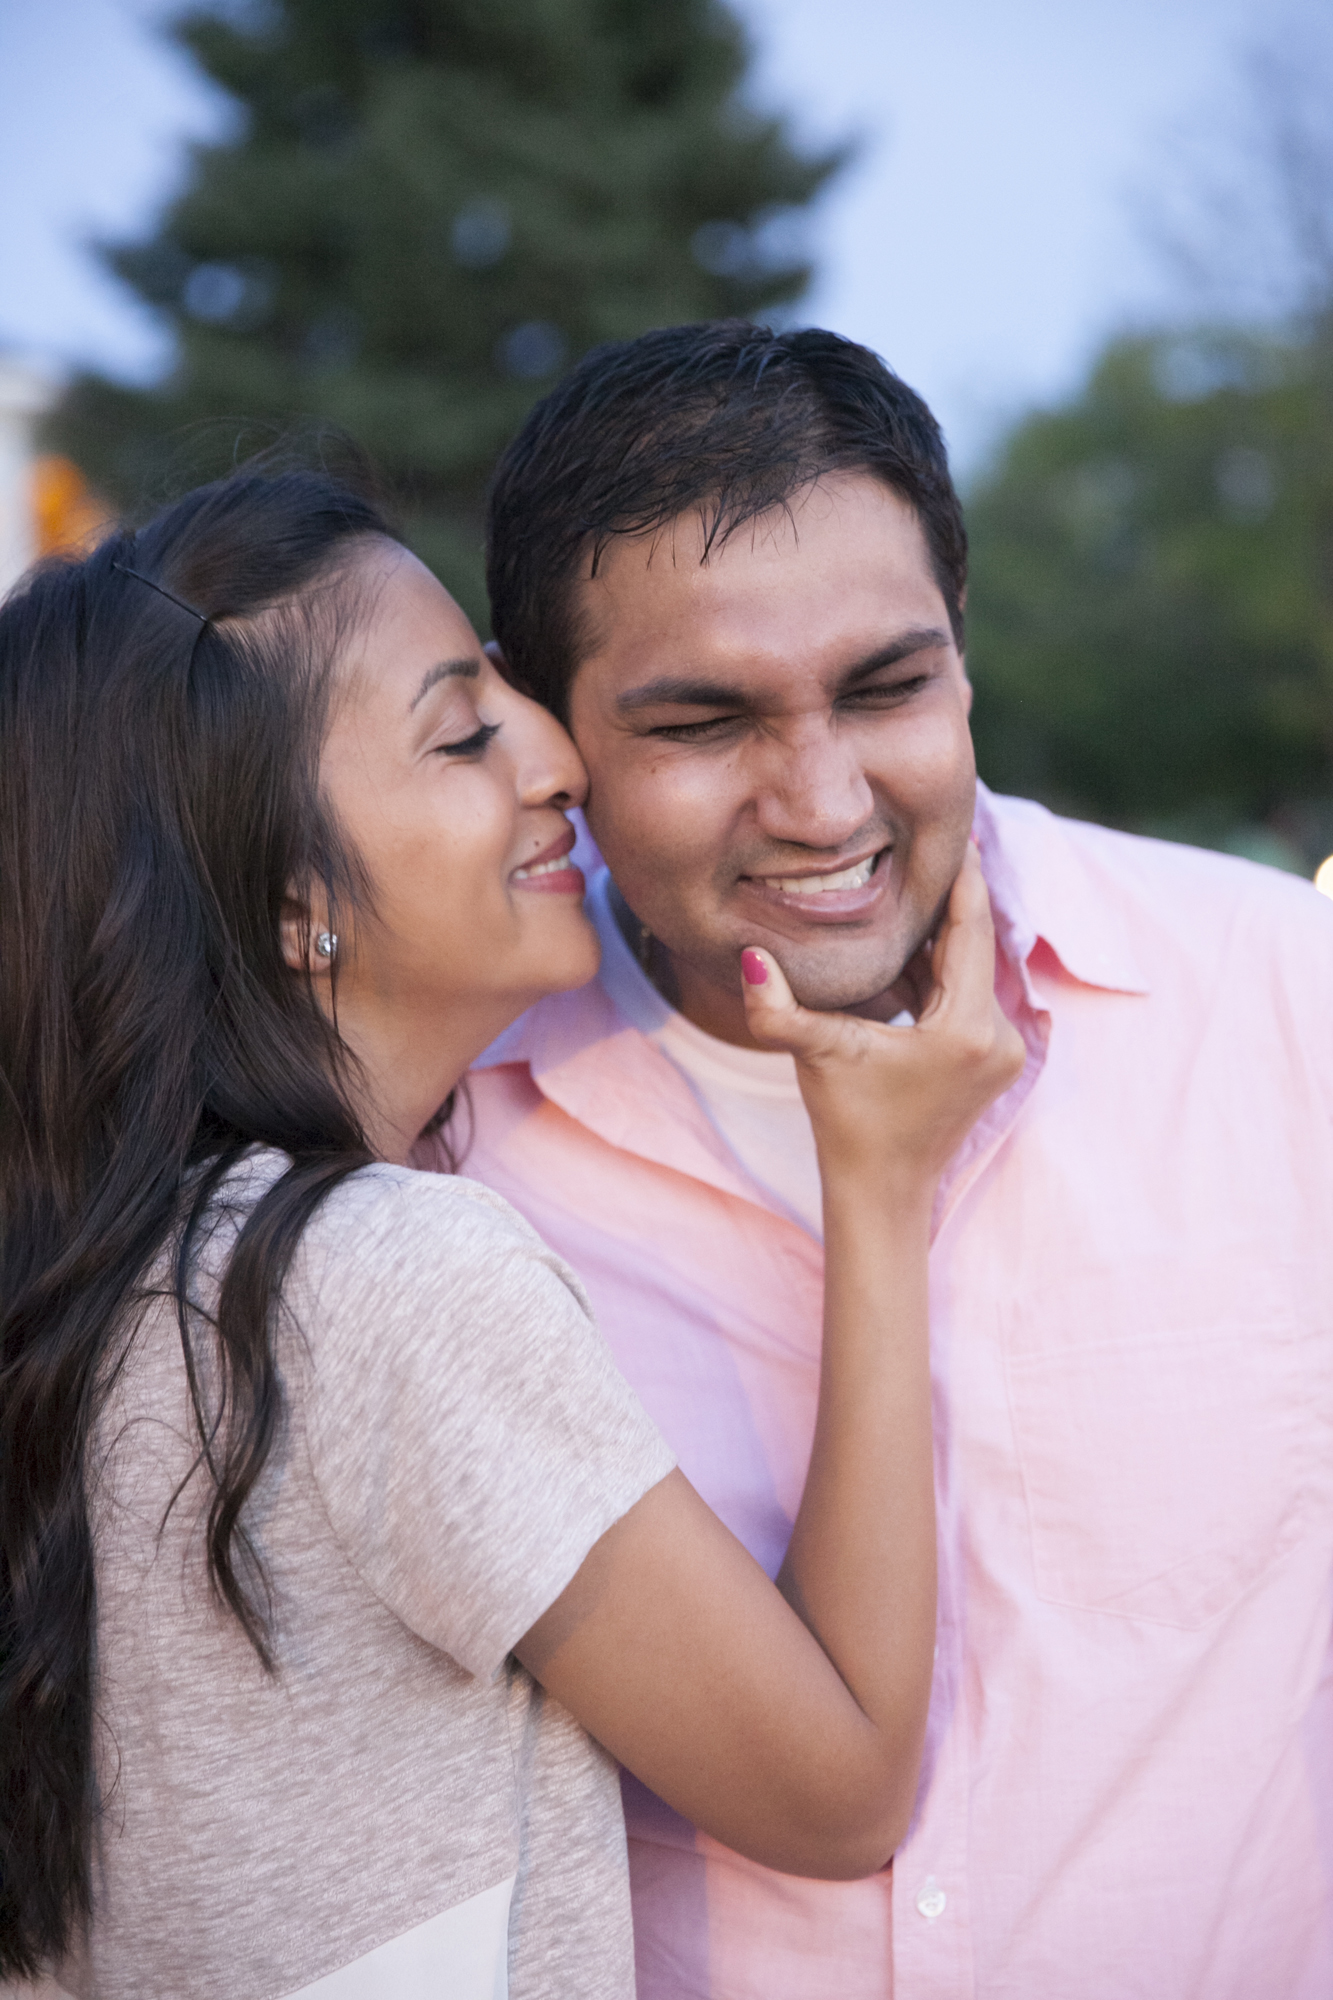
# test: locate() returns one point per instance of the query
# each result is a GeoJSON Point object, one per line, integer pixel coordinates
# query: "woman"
{"type": "Point", "coordinates": [303, 1452]}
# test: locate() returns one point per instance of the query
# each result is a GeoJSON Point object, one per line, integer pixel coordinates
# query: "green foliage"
{"type": "Point", "coordinates": [1151, 617]}
{"type": "Point", "coordinates": [430, 208]}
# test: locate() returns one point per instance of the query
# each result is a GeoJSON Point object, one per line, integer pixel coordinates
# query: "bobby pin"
{"type": "Point", "coordinates": [170, 596]}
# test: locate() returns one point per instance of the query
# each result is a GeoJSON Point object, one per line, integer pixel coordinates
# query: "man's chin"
{"type": "Point", "coordinates": [878, 998]}
{"type": "Point", "coordinates": [875, 991]}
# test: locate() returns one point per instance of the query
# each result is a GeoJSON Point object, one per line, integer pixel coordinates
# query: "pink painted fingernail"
{"type": "Point", "coordinates": [754, 970]}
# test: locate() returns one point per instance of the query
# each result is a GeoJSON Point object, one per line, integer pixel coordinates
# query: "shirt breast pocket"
{"type": "Point", "coordinates": [1172, 1430]}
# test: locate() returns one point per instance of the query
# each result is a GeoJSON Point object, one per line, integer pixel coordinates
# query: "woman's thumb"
{"type": "Point", "coordinates": [769, 1005]}
{"type": "Point", "coordinates": [771, 1012]}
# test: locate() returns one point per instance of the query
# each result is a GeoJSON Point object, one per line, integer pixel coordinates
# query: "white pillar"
{"type": "Point", "coordinates": [24, 396]}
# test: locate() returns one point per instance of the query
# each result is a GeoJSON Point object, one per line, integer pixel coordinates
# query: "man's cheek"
{"type": "Point", "coordinates": [612, 812]}
{"type": "Point", "coordinates": [930, 783]}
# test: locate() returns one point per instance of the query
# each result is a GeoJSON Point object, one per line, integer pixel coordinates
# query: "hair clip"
{"type": "Point", "coordinates": [170, 596]}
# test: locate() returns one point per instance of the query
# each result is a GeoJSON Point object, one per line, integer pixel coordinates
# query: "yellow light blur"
{"type": "Point", "coordinates": [69, 515]}
{"type": "Point", "coordinates": [1323, 877]}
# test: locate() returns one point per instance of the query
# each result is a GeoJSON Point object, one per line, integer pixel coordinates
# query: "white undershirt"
{"type": "Point", "coordinates": [751, 1096]}
{"type": "Point", "coordinates": [463, 1952]}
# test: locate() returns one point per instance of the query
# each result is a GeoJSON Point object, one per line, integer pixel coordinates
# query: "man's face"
{"type": "Point", "coordinates": [778, 747]}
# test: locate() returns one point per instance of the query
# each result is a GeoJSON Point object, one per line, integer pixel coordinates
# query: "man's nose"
{"type": "Point", "coordinates": [811, 788]}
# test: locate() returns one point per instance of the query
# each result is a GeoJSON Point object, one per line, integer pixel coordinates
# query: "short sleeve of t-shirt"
{"type": "Point", "coordinates": [469, 1433]}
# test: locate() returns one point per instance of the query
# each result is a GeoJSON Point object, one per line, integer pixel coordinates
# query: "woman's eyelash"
{"type": "Point", "coordinates": [471, 746]}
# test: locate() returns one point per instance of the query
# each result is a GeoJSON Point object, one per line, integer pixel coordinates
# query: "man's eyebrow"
{"type": "Point", "coordinates": [682, 691]}
{"type": "Point", "coordinates": [921, 639]}
{"type": "Point", "coordinates": [447, 670]}
{"type": "Point", "coordinates": [679, 691]}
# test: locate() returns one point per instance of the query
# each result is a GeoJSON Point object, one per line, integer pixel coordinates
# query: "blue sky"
{"type": "Point", "coordinates": [986, 240]}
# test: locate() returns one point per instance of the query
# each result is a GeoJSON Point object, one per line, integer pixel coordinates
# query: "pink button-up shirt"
{"type": "Point", "coordinates": [1128, 1785]}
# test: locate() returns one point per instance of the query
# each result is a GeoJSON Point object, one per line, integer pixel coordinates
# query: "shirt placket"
{"type": "Point", "coordinates": [933, 1955]}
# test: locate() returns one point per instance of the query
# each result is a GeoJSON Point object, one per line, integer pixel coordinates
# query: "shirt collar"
{"type": "Point", "coordinates": [1048, 884]}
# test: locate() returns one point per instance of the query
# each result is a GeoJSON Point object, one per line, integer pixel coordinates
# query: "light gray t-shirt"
{"type": "Point", "coordinates": [400, 1810]}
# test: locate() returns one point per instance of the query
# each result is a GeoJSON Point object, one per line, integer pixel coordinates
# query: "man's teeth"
{"type": "Point", "coordinates": [542, 868]}
{"type": "Point", "coordinates": [823, 885]}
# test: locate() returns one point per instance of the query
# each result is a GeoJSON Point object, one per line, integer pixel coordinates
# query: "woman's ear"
{"type": "Point", "coordinates": [306, 945]}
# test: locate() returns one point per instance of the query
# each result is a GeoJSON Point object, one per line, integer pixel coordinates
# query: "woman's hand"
{"type": "Point", "coordinates": [794, 1731]}
{"type": "Point", "coordinates": [892, 1105]}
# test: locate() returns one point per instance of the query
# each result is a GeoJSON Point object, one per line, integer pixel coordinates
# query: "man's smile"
{"type": "Point", "coordinates": [839, 893]}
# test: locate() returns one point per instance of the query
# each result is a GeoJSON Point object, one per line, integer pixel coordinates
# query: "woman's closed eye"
{"type": "Point", "coordinates": [473, 745]}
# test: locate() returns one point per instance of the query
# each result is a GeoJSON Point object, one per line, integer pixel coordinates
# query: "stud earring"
{"type": "Point", "coordinates": [326, 944]}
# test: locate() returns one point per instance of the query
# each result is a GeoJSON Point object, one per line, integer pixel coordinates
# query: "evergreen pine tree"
{"type": "Point", "coordinates": [431, 207]}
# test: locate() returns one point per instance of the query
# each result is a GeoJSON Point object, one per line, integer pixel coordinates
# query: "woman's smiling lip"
{"type": "Point", "coordinates": [859, 885]}
{"type": "Point", "coordinates": [549, 871]}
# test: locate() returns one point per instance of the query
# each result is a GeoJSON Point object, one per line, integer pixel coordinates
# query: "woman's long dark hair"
{"type": "Point", "coordinates": [159, 800]}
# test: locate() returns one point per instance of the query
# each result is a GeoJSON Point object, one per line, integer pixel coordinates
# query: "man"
{"type": "Point", "coordinates": [735, 564]}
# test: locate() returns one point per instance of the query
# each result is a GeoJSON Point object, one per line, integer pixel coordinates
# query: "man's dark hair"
{"type": "Point", "coordinates": [723, 417]}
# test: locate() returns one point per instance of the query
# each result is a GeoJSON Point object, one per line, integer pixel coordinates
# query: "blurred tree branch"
{"type": "Point", "coordinates": [1242, 209]}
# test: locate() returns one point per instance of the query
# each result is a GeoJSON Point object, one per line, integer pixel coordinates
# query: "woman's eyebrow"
{"type": "Point", "coordinates": [447, 670]}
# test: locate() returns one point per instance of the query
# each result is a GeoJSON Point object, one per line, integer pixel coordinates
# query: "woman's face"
{"type": "Point", "coordinates": [450, 788]}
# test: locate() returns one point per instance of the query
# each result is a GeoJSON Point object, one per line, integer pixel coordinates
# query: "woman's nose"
{"type": "Point", "coordinates": [550, 770]}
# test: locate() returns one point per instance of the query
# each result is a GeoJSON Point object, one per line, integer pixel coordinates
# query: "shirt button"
{"type": "Point", "coordinates": [930, 1899]}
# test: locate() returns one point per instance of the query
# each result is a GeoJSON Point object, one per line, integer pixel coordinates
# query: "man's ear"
{"type": "Point", "coordinates": [962, 656]}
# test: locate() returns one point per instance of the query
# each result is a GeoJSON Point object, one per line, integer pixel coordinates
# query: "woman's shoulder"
{"type": "Point", "coordinates": [378, 1201]}
{"type": "Point", "coordinates": [413, 1208]}
{"type": "Point", "coordinates": [407, 1239]}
